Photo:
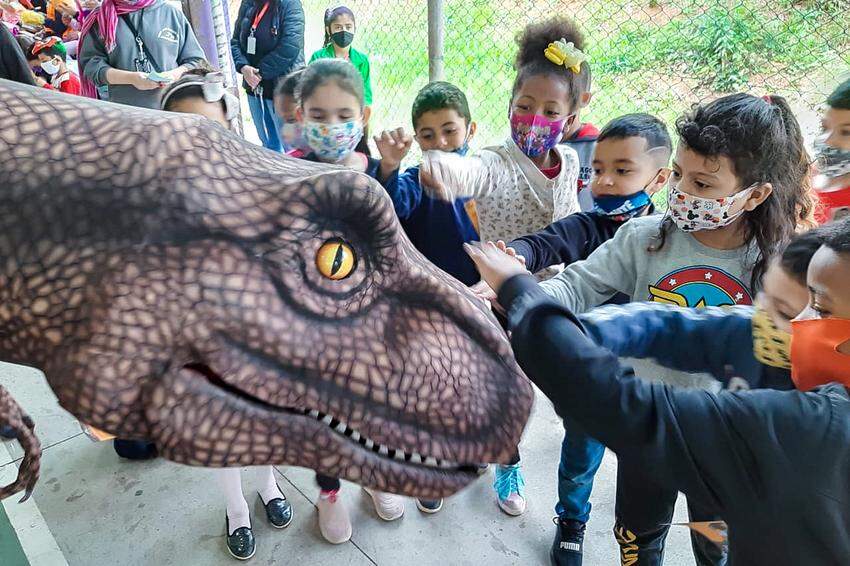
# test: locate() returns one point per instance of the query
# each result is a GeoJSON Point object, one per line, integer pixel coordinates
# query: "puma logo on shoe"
{"type": "Point", "coordinates": [573, 546]}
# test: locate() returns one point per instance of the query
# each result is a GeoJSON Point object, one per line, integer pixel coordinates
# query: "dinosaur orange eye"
{"type": "Point", "coordinates": [335, 259]}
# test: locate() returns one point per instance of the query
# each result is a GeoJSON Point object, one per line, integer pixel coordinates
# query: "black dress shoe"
{"type": "Point", "coordinates": [135, 449]}
{"type": "Point", "coordinates": [241, 544]}
{"type": "Point", "coordinates": [278, 511]}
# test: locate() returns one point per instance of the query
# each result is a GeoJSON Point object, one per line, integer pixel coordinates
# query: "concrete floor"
{"type": "Point", "coordinates": [103, 511]}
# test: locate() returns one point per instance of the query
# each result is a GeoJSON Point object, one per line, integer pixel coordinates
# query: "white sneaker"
{"type": "Point", "coordinates": [333, 517]}
{"type": "Point", "coordinates": [389, 507]}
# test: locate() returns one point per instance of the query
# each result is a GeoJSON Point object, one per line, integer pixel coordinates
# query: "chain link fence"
{"type": "Point", "coordinates": [657, 56]}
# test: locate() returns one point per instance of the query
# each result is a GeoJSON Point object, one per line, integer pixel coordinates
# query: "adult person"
{"type": "Point", "coordinates": [267, 44]}
{"type": "Point", "coordinates": [776, 464]}
{"type": "Point", "coordinates": [136, 47]}
{"type": "Point", "coordinates": [13, 62]}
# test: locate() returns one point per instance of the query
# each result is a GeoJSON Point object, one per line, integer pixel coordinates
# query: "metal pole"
{"type": "Point", "coordinates": [435, 40]}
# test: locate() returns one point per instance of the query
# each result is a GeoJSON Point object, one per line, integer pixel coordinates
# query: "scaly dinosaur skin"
{"type": "Point", "coordinates": [162, 273]}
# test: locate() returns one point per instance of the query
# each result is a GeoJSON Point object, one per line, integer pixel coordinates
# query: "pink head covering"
{"type": "Point", "coordinates": [106, 17]}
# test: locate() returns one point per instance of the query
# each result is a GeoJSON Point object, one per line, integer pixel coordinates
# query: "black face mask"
{"type": "Point", "coordinates": [342, 38]}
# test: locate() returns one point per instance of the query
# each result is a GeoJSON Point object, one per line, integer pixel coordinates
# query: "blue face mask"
{"type": "Point", "coordinates": [462, 150]}
{"type": "Point", "coordinates": [621, 207]}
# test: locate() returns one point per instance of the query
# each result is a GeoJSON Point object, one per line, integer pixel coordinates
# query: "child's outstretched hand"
{"type": "Point", "coordinates": [494, 265]}
{"type": "Point", "coordinates": [393, 145]}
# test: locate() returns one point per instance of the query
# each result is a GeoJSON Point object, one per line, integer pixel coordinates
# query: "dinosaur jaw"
{"type": "Point", "coordinates": [205, 422]}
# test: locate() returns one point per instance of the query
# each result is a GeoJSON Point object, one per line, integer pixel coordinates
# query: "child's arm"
{"type": "Point", "coordinates": [707, 446]}
{"type": "Point", "coordinates": [712, 339]}
{"type": "Point", "coordinates": [609, 270]}
{"type": "Point", "coordinates": [566, 241]}
{"type": "Point", "coordinates": [448, 176]}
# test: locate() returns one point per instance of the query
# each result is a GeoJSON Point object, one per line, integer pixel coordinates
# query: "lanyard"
{"type": "Point", "coordinates": [259, 17]}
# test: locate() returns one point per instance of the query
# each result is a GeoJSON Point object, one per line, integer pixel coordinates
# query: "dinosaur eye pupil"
{"type": "Point", "coordinates": [335, 259]}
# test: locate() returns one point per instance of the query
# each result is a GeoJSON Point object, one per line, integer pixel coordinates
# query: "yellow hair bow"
{"type": "Point", "coordinates": [567, 54]}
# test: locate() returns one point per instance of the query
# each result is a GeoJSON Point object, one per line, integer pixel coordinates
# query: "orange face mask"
{"type": "Point", "coordinates": [815, 359]}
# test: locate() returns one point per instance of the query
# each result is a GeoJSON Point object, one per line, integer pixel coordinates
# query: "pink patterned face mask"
{"type": "Point", "coordinates": [536, 134]}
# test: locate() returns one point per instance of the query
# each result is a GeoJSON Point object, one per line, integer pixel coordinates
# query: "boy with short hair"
{"type": "Point", "coordinates": [52, 57]}
{"type": "Point", "coordinates": [441, 121]}
{"type": "Point", "coordinates": [630, 164]}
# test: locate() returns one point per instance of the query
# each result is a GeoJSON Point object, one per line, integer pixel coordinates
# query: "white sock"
{"type": "Point", "coordinates": [230, 480]}
{"type": "Point", "coordinates": [268, 485]}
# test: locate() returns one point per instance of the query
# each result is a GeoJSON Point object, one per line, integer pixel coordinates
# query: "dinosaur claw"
{"type": "Point", "coordinates": [22, 424]}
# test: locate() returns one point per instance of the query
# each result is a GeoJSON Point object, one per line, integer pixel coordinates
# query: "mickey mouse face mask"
{"type": "Point", "coordinates": [692, 214]}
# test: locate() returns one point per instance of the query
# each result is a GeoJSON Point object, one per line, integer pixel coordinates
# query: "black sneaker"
{"type": "Point", "coordinates": [429, 506]}
{"type": "Point", "coordinates": [240, 544]}
{"type": "Point", "coordinates": [135, 449]}
{"type": "Point", "coordinates": [568, 547]}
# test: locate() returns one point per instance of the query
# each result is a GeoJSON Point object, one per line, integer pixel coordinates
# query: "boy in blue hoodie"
{"type": "Point", "coordinates": [441, 121]}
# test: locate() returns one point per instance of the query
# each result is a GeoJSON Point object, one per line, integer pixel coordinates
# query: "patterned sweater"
{"type": "Point", "coordinates": [512, 197]}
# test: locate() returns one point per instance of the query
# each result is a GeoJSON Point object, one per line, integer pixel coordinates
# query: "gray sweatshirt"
{"type": "Point", "coordinates": [683, 272]}
{"type": "Point", "coordinates": [168, 37]}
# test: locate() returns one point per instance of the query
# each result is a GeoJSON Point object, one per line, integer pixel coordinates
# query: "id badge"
{"type": "Point", "coordinates": [252, 45]}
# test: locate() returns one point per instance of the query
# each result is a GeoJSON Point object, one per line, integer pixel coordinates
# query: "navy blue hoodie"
{"type": "Point", "coordinates": [776, 464]}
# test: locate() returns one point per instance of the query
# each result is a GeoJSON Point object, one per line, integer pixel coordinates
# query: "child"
{"type": "Point", "coordinates": [774, 462]}
{"type": "Point", "coordinates": [630, 164]}
{"type": "Point", "coordinates": [582, 137]}
{"type": "Point", "coordinates": [202, 92]}
{"type": "Point", "coordinates": [340, 28]}
{"type": "Point", "coordinates": [699, 340]}
{"type": "Point", "coordinates": [333, 115]}
{"type": "Point", "coordinates": [286, 105]}
{"type": "Point", "coordinates": [52, 59]}
{"type": "Point", "coordinates": [832, 150]}
{"type": "Point", "coordinates": [530, 180]}
{"type": "Point", "coordinates": [442, 122]}
{"type": "Point", "coordinates": [738, 188]}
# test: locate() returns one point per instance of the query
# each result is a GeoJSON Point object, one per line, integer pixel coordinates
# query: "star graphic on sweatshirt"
{"type": "Point", "coordinates": [708, 275]}
{"type": "Point", "coordinates": [673, 282]}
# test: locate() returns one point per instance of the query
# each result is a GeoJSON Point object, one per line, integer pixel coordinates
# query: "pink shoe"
{"type": "Point", "coordinates": [333, 517]}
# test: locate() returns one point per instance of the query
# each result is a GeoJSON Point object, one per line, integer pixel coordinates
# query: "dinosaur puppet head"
{"type": "Point", "coordinates": [179, 284]}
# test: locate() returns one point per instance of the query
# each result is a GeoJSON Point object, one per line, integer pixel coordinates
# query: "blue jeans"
{"type": "Point", "coordinates": [580, 458]}
{"type": "Point", "coordinates": [266, 121]}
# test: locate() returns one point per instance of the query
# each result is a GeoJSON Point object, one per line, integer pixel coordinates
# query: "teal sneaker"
{"type": "Point", "coordinates": [510, 489]}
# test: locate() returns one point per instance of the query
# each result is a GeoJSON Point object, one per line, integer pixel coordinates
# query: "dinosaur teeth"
{"type": "Point", "coordinates": [380, 449]}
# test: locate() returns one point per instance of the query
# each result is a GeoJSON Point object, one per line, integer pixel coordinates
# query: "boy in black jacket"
{"type": "Point", "coordinates": [630, 164]}
{"type": "Point", "coordinates": [775, 463]}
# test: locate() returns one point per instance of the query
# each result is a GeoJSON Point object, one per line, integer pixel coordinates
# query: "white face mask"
{"type": "Point", "coordinates": [692, 214]}
{"type": "Point", "coordinates": [50, 67]}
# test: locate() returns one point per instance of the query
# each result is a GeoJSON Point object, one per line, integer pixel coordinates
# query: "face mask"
{"type": "Point", "coordinates": [342, 38]}
{"type": "Point", "coordinates": [692, 214]}
{"type": "Point", "coordinates": [815, 359]}
{"type": "Point", "coordinates": [333, 142]}
{"type": "Point", "coordinates": [293, 136]}
{"type": "Point", "coordinates": [771, 346]}
{"type": "Point", "coordinates": [831, 161]}
{"type": "Point", "coordinates": [464, 149]}
{"type": "Point", "coordinates": [50, 67]}
{"type": "Point", "coordinates": [620, 207]}
{"type": "Point", "coordinates": [535, 134]}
